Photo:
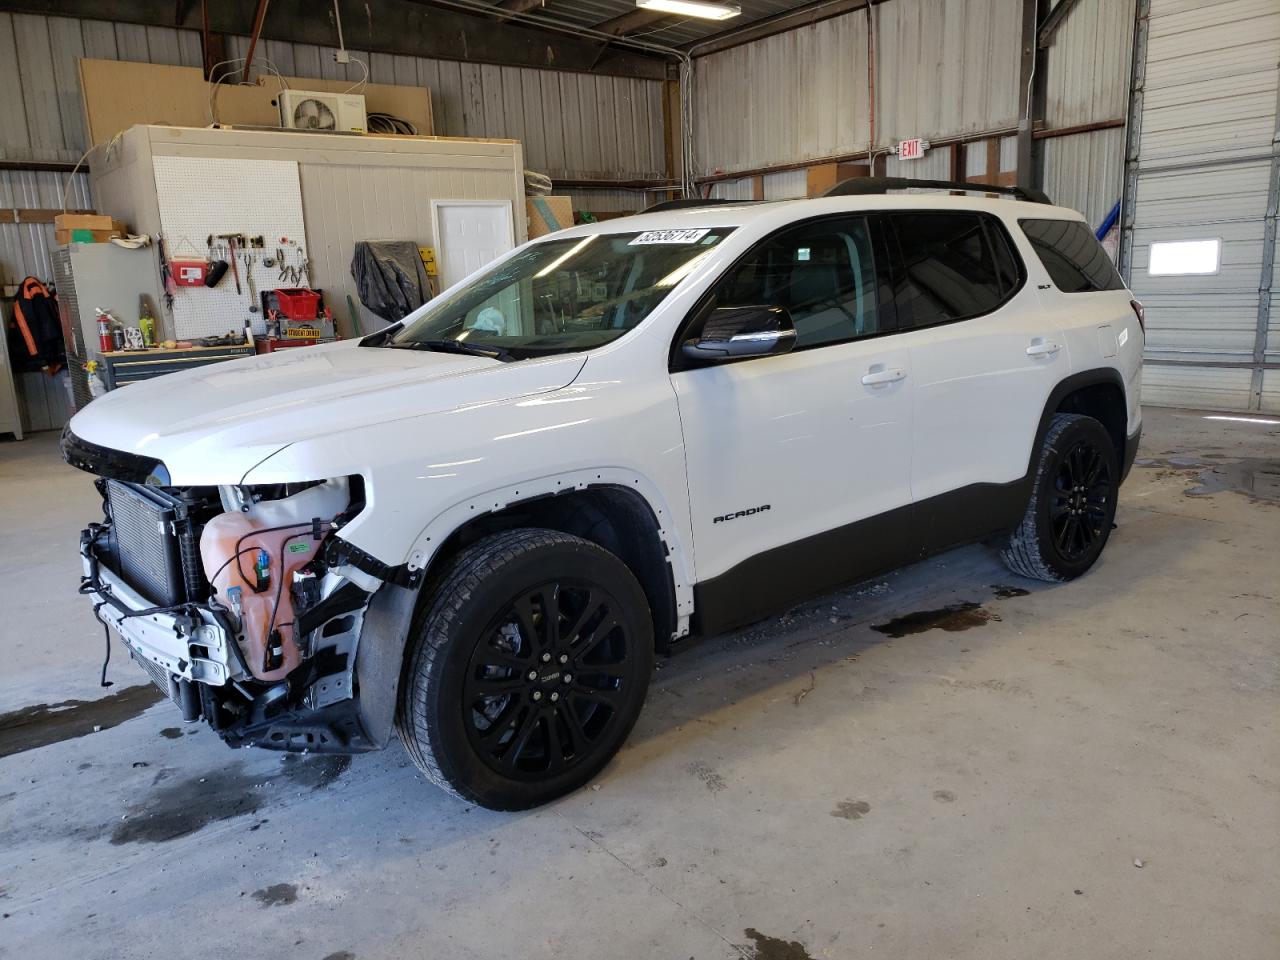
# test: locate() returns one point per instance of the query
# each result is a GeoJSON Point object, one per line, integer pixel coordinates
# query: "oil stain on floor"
{"type": "Point", "coordinates": [1005, 592]}
{"type": "Point", "coordinates": [185, 806]}
{"type": "Point", "coordinates": [277, 895]}
{"type": "Point", "coordinates": [953, 618]}
{"type": "Point", "coordinates": [1254, 477]}
{"type": "Point", "coordinates": [851, 809]}
{"type": "Point", "coordinates": [45, 723]}
{"type": "Point", "coordinates": [773, 948]}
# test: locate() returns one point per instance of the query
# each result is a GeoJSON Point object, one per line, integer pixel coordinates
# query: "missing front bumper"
{"type": "Point", "coordinates": [190, 646]}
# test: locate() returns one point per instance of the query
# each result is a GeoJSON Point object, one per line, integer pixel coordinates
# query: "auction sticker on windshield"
{"type": "Point", "coordinates": [670, 236]}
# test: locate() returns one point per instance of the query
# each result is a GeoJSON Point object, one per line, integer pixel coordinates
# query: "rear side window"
{"type": "Point", "coordinates": [1074, 258]}
{"type": "Point", "coordinates": [954, 266]}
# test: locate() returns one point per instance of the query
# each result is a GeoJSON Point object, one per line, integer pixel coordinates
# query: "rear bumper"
{"type": "Point", "coordinates": [1130, 453]}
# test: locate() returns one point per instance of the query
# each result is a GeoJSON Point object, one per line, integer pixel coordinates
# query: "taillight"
{"type": "Point", "coordinates": [1140, 312]}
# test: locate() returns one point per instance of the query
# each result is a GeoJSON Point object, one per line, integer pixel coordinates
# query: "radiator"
{"type": "Point", "coordinates": [151, 543]}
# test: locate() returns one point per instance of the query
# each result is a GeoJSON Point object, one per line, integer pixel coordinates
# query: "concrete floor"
{"type": "Point", "coordinates": [811, 788]}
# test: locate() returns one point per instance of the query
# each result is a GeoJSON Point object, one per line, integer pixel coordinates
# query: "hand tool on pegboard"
{"type": "Point", "coordinates": [249, 259]}
{"type": "Point", "coordinates": [232, 239]}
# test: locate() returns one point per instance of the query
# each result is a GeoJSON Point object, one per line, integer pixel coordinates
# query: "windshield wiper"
{"type": "Point", "coordinates": [455, 346]}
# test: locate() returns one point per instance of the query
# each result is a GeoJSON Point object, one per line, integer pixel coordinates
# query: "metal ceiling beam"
{"type": "Point", "coordinates": [1056, 18]}
{"type": "Point", "coordinates": [392, 26]}
{"type": "Point", "coordinates": [629, 22]}
{"type": "Point", "coordinates": [253, 37]}
{"type": "Point", "coordinates": [769, 26]}
{"type": "Point", "coordinates": [504, 10]}
{"type": "Point", "coordinates": [1031, 93]}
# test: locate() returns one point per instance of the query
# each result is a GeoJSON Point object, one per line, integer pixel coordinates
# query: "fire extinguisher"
{"type": "Point", "coordinates": [104, 331]}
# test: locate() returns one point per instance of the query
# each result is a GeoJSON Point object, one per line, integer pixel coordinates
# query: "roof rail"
{"type": "Point", "coordinates": [864, 186]}
{"type": "Point", "coordinates": [687, 203]}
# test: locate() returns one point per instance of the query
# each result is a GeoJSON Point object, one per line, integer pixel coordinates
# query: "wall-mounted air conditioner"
{"type": "Point", "coordinates": [311, 110]}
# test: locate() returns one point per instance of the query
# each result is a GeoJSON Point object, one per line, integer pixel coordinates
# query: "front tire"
{"type": "Point", "coordinates": [528, 668]}
{"type": "Point", "coordinates": [1073, 502]}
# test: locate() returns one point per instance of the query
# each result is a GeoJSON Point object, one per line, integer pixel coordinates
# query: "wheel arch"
{"type": "Point", "coordinates": [613, 508]}
{"type": "Point", "coordinates": [1097, 393]}
{"type": "Point", "coordinates": [613, 516]}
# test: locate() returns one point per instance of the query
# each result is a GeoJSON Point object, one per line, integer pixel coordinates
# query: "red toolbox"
{"type": "Point", "coordinates": [298, 303]}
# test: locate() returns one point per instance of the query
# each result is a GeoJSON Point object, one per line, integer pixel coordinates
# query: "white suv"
{"type": "Point", "coordinates": [478, 526]}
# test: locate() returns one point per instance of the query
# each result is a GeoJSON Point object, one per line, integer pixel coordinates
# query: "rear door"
{"type": "Point", "coordinates": [984, 356]}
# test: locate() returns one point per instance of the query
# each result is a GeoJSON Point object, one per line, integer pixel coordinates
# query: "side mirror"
{"type": "Point", "coordinates": [735, 333]}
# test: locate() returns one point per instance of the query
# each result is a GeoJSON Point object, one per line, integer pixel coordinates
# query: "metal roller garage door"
{"type": "Point", "coordinates": [1204, 165]}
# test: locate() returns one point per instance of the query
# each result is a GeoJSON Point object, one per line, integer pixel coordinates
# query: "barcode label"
{"type": "Point", "coordinates": [670, 236]}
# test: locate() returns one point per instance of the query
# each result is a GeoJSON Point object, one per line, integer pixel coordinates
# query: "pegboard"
{"type": "Point", "coordinates": [199, 196]}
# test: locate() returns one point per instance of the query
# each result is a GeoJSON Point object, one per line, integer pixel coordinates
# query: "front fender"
{"type": "Point", "coordinates": [435, 533]}
{"type": "Point", "coordinates": [390, 617]}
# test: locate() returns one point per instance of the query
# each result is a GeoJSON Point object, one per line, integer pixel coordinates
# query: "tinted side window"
{"type": "Point", "coordinates": [954, 266]}
{"type": "Point", "coordinates": [1074, 258]}
{"type": "Point", "coordinates": [823, 272]}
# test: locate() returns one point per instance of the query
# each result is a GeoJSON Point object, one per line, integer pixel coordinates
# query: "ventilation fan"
{"type": "Point", "coordinates": [313, 114]}
{"type": "Point", "coordinates": [311, 110]}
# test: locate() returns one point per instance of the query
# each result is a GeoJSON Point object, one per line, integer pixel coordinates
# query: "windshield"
{"type": "Point", "coordinates": [562, 296]}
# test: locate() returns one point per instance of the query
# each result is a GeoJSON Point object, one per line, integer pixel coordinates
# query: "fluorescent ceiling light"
{"type": "Point", "coordinates": [692, 8]}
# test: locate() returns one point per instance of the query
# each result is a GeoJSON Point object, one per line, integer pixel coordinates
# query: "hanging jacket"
{"type": "Point", "coordinates": [35, 332]}
{"type": "Point", "coordinates": [390, 277]}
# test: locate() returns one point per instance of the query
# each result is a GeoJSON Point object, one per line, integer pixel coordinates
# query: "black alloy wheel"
{"type": "Point", "coordinates": [1068, 518]}
{"type": "Point", "coordinates": [527, 667]}
{"type": "Point", "coordinates": [547, 678]}
{"type": "Point", "coordinates": [1081, 508]}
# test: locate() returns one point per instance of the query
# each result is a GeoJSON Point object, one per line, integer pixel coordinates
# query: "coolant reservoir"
{"type": "Point", "coordinates": [274, 538]}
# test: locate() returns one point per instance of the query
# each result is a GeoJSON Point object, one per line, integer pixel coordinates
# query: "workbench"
{"type": "Point", "coordinates": [129, 366]}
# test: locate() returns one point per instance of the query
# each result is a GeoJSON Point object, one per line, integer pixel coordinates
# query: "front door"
{"type": "Point", "coordinates": [785, 454]}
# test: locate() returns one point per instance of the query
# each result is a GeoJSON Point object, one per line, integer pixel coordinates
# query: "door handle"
{"type": "Point", "coordinates": [877, 378]}
{"type": "Point", "coordinates": [1042, 348]}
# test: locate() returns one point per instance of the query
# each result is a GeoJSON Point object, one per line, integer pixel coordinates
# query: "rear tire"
{"type": "Point", "coordinates": [527, 670]}
{"type": "Point", "coordinates": [1073, 502]}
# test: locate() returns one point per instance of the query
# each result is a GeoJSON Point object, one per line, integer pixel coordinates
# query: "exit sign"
{"type": "Point", "coordinates": [912, 149]}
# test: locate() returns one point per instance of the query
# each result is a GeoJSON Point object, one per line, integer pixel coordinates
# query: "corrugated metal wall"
{"type": "Point", "coordinates": [1085, 172]}
{"type": "Point", "coordinates": [799, 95]}
{"type": "Point", "coordinates": [24, 247]}
{"type": "Point", "coordinates": [1088, 82]}
{"type": "Point", "coordinates": [944, 70]}
{"type": "Point", "coordinates": [573, 126]}
{"type": "Point", "coordinates": [1088, 64]}
{"type": "Point", "coordinates": [1208, 167]}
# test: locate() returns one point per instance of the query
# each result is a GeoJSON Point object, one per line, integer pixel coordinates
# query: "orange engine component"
{"type": "Point", "coordinates": [274, 539]}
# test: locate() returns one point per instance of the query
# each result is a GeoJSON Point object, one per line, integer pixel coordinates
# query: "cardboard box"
{"type": "Point", "coordinates": [548, 214]}
{"type": "Point", "coordinates": [86, 228]}
{"type": "Point", "coordinates": [822, 177]}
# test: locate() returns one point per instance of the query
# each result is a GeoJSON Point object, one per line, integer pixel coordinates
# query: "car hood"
{"type": "Point", "coordinates": [214, 423]}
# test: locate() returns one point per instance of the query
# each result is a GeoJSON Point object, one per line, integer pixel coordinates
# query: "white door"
{"type": "Point", "coordinates": [986, 357]}
{"type": "Point", "coordinates": [784, 448]}
{"type": "Point", "coordinates": [469, 235]}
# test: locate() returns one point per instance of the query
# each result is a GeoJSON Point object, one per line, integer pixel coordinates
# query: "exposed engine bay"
{"type": "Point", "coordinates": [240, 602]}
